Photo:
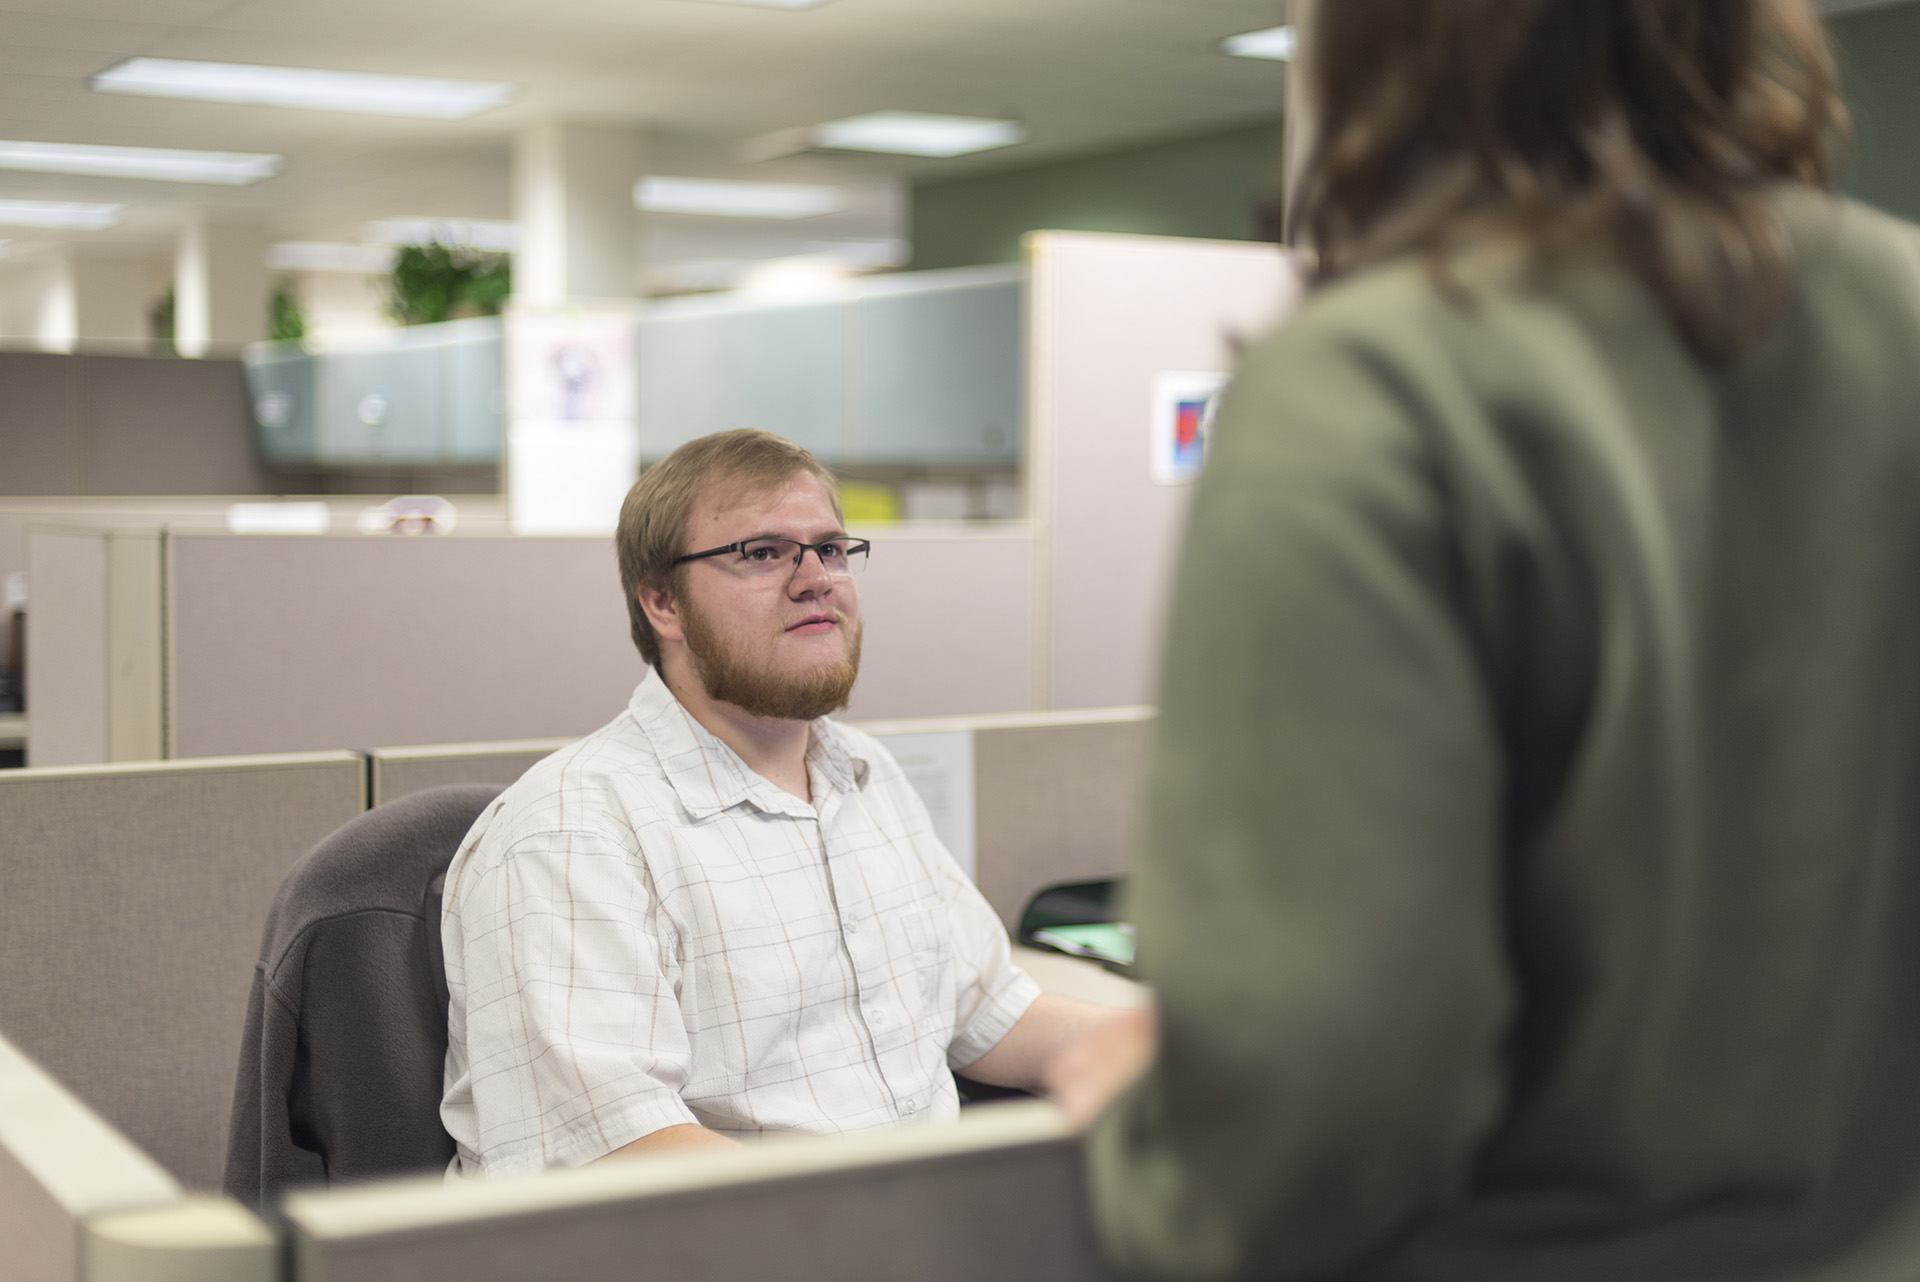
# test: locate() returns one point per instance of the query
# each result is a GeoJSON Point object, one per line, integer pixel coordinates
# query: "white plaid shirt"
{"type": "Point", "coordinates": [642, 933]}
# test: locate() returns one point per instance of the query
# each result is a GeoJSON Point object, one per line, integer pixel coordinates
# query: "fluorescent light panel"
{"type": "Point", "coordinates": [467, 233]}
{"type": "Point", "coordinates": [303, 87]}
{"type": "Point", "coordinates": [231, 168]}
{"type": "Point", "coordinates": [1276, 44]}
{"type": "Point", "coordinates": [729, 199]}
{"type": "Point", "coordinates": [59, 213]}
{"type": "Point", "coordinates": [911, 133]}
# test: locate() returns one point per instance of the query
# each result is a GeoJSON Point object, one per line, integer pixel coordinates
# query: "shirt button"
{"type": "Point", "coordinates": [877, 1016]}
{"type": "Point", "coordinates": [853, 925]}
{"type": "Point", "coordinates": [909, 1107]}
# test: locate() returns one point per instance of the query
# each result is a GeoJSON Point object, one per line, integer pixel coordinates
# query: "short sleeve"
{"type": "Point", "coordinates": [993, 992]}
{"type": "Point", "coordinates": [562, 977]}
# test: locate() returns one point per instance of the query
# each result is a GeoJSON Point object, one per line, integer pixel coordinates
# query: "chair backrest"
{"type": "Point", "coordinates": [346, 1036]}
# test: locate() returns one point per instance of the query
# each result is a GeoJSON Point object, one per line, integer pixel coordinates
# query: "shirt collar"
{"type": "Point", "coordinates": [710, 777]}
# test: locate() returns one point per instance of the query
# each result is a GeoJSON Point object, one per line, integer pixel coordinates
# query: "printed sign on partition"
{"type": "Point", "coordinates": [573, 435]}
{"type": "Point", "coordinates": [939, 765]}
{"type": "Point", "coordinates": [1183, 409]}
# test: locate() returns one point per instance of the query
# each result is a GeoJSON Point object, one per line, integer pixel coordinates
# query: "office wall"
{"type": "Point", "coordinates": [1878, 49]}
{"type": "Point", "coordinates": [76, 425]}
{"type": "Point", "coordinates": [1209, 185]}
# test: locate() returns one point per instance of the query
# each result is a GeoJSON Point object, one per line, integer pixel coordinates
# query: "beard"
{"type": "Point", "coordinates": [730, 676]}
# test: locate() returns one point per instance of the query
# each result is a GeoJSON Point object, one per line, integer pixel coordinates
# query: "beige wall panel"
{"type": "Point", "coordinates": [1109, 313]}
{"type": "Point", "coordinates": [1053, 804]}
{"type": "Point", "coordinates": [949, 626]}
{"type": "Point", "coordinates": [135, 899]}
{"type": "Point", "coordinates": [135, 654]}
{"type": "Point", "coordinates": [67, 647]}
{"type": "Point", "coordinates": [396, 772]}
{"type": "Point", "coordinates": [288, 644]}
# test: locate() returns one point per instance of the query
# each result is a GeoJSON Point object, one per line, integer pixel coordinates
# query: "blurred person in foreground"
{"type": "Point", "coordinates": [1531, 867]}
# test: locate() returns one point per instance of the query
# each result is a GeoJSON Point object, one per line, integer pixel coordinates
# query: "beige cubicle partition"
{"type": "Point", "coordinates": [131, 918]}
{"type": "Point", "coordinates": [396, 772]}
{"type": "Point", "coordinates": [998, 1195]}
{"type": "Point", "coordinates": [281, 644]}
{"type": "Point", "coordinates": [1107, 316]}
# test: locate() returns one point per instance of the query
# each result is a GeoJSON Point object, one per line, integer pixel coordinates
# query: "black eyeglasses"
{"type": "Point", "coordinates": [839, 557]}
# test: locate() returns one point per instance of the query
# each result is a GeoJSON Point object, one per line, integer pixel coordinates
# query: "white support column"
{"type": "Point", "coordinates": [220, 286]}
{"type": "Point", "coordinates": [573, 433]}
{"type": "Point", "coordinates": [573, 202]}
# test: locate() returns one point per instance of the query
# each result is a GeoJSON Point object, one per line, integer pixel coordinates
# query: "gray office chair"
{"type": "Point", "coordinates": [346, 1034]}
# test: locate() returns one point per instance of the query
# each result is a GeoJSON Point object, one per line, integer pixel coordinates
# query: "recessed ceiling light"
{"type": "Point", "coordinates": [910, 133]}
{"type": "Point", "coordinates": [1276, 44]}
{"type": "Point", "coordinates": [229, 167]}
{"type": "Point", "coordinates": [303, 87]}
{"type": "Point", "coordinates": [727, 199]}
{"type": "Point", "coordinates": [465, 233]}
{"type": "Point", "coordinates": [325, 256]}
{"type": "Point", "coordinates": [59, 213]}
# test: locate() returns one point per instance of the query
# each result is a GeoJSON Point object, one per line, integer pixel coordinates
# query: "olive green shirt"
{"type": "Point", "coordinates": [1531, 867]}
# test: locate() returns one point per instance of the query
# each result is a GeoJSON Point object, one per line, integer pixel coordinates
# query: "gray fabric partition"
{"type": "Point", "coordinates": [130, 922]}
{"type": "Point", "coordinates": [1053, 803]}
{"type": "Point", "coordinates": [929, 1205]}
{"type": "Point", "coordinates": [396, 772]}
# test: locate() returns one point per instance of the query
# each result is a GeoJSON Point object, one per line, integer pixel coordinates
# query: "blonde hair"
{"type": "Point", "coordinates": [653, 519]}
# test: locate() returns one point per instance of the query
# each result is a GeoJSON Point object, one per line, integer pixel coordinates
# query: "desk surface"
{"type": "Point", "coordinates": [1071, 977]}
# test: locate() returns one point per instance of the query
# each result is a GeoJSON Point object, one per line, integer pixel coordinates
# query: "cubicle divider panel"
{"type": "Point", "coordinates": [988, 1199]}
{"type": "Point", "coordinates": [396, 772]}
{"type": "Point", "coordinates": [1109, 317]}
{"type": "Point", "coordinates": [948, 615]}
{"type": "Point", "coordinates": [1055, 803]}
{"type": "Point", "coordinates": [135, 900]}
{"type": "Point", "coordinates": [67, 638]}
{"type": "Point", "coordinates": [59, 1164]}
{"type": "Point", "coordinates": [286, 644]}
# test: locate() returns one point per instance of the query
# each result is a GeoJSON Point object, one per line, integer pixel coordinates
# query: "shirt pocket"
{"type": "Point", "coordinates": [923, 936]}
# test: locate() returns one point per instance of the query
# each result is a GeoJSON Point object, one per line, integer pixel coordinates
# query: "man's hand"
{"type": "Point", "coordinates": [1086, 1075]}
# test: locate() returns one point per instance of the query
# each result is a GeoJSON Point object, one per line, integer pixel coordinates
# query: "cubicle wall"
{"type": "Point", "coordinates": [130, 921]}
{"type": "Point", "coordinates": [1107, 316]}
{"type": "Point", "coordinates": [999, 1195]}
{"type": "Point", "coordinates": [288, 644]}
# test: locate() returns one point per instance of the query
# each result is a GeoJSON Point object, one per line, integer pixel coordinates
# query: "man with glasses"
{"type": "Point", "coordinates": [724, 914]}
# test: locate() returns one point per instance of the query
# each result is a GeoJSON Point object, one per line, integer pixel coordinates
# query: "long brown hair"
{"type": "Point", "coordinates": [1649, 129]}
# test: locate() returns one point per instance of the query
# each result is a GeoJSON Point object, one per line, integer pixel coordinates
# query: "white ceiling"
{"type": "Point", "coordinates": [703, 77]}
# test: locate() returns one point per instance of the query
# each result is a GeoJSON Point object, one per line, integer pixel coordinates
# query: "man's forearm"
{"type": "Point", "coordinates": [1052, 1023]}
{"type": "Point", "coordinates": [670, 1138]}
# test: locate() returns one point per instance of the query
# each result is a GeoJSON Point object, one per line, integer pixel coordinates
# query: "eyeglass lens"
{"type": "Point", "coordinates": [776, 556]}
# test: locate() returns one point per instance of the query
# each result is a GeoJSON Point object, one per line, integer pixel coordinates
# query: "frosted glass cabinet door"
{"type": "Point", "coordinates": [472, 395]}
{"type": "Point", "coordinates": [380, 407]}
{"type": "Point", "coordinates": [941, 381]}
{"type": "Point", "coordinates": [280, 384]}
{"type": "Point", "coordinates": [781, 369]}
